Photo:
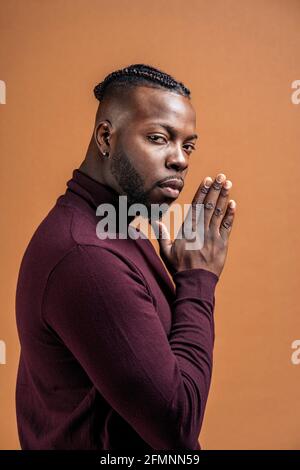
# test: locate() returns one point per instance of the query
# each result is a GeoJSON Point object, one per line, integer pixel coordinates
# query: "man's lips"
{"type": "Point", "coordinates": [172, 187]}
{"type": "Point", "coordinates": [174, 183]}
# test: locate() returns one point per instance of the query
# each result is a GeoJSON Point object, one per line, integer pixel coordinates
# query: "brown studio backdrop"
{"type": "Point", "coordinates": [239, 60]}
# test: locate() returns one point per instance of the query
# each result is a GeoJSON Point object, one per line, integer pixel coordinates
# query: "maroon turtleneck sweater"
{"type": "Point", "coordinates": [114, 356]}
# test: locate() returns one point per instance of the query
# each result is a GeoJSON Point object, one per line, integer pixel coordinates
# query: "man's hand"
{"type": "Point", "coordinates": [218, 220]}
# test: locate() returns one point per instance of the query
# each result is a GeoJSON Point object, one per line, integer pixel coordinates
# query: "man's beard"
{"type": "Point", "coordinates": [133, 185]}
{"type": "Point", "coordinates": [129, 180]}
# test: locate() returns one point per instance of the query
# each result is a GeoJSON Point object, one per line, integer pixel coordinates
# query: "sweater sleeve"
{"type": "Point", "coordinates": [101, 307]}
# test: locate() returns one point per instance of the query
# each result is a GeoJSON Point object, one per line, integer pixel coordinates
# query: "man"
{"type": "Point", "coordinates": [114, 355]}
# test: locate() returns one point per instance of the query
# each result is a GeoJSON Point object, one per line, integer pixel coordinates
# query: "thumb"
{"type": "Point", "coordinates": [164, 238]}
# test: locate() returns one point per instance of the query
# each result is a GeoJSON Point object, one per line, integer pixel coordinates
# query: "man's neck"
{"type": "Point", "coordinates": [91, 165]}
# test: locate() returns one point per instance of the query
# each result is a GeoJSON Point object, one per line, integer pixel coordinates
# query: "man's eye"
{"type": "Point", "coordinates": [155, 135]}
{"type": "Point", "coordinates": [153, 138]}
{"type": "Point", "coordinates": [191, 147]}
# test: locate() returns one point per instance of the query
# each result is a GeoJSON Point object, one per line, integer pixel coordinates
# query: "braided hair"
{"type": "Point", "coordinates": [138, 75]}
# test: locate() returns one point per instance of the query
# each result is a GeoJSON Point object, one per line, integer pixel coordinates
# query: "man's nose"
{"type": "Point", "coordinates": [177, 159]}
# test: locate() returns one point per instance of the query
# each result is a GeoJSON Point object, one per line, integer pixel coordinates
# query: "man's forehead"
{"type": "Point", "coordinates": [152, 104]}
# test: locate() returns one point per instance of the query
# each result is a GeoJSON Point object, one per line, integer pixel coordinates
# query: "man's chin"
{"type": "Point", "coordinates": [153, 206]}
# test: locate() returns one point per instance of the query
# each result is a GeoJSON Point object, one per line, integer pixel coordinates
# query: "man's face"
{"type": "Point", "coordinates": [146, 154]}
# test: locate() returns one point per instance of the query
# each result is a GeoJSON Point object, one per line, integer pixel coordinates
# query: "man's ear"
{"type": "Point", "coordinates": [97, 136]}
{"type": "Point", "coordinates": [102, 135]}
{"type": "Point", "coordinates": [102, 132]}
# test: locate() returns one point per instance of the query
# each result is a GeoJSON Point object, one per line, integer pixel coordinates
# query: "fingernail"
{"type": "Point", "coordinates": [221, 177]}
{"type": "Point", "coordinates": [232, 204]}
{"type": "Point", "coordinates": [208, 182]}
{"type": "Point", "coordinates": [227, 184]}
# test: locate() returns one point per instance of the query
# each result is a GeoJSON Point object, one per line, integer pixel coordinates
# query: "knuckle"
{"type": "Point", "coordinates": [217, 186]}
{"type": "Point", "coordinates": [209, 205]}
{"type": "Point", "coordinates": [218, 211]}
{"type": "Point", "coordinates": [227, 224]}
{"type": "Point", "coordinates": [204, 190]}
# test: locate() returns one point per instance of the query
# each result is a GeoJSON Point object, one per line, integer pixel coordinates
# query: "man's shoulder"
{"type": "Point", "coordinates": [90, 269]}
{"type": "Point", "coordinates": [66, 241]}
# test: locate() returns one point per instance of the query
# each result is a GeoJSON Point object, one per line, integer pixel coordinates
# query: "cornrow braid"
{"type": "Point", "coordinates": [137, 75]}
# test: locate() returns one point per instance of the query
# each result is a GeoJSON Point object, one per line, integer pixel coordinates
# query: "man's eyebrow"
{"type": "Point", "coordinates": [172, 131]}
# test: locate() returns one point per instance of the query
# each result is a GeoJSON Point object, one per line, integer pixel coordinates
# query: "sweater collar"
{"type": "Point", "coordinates": [94, 192]}
{"type": "Point", "coordinates": [91, 190]}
